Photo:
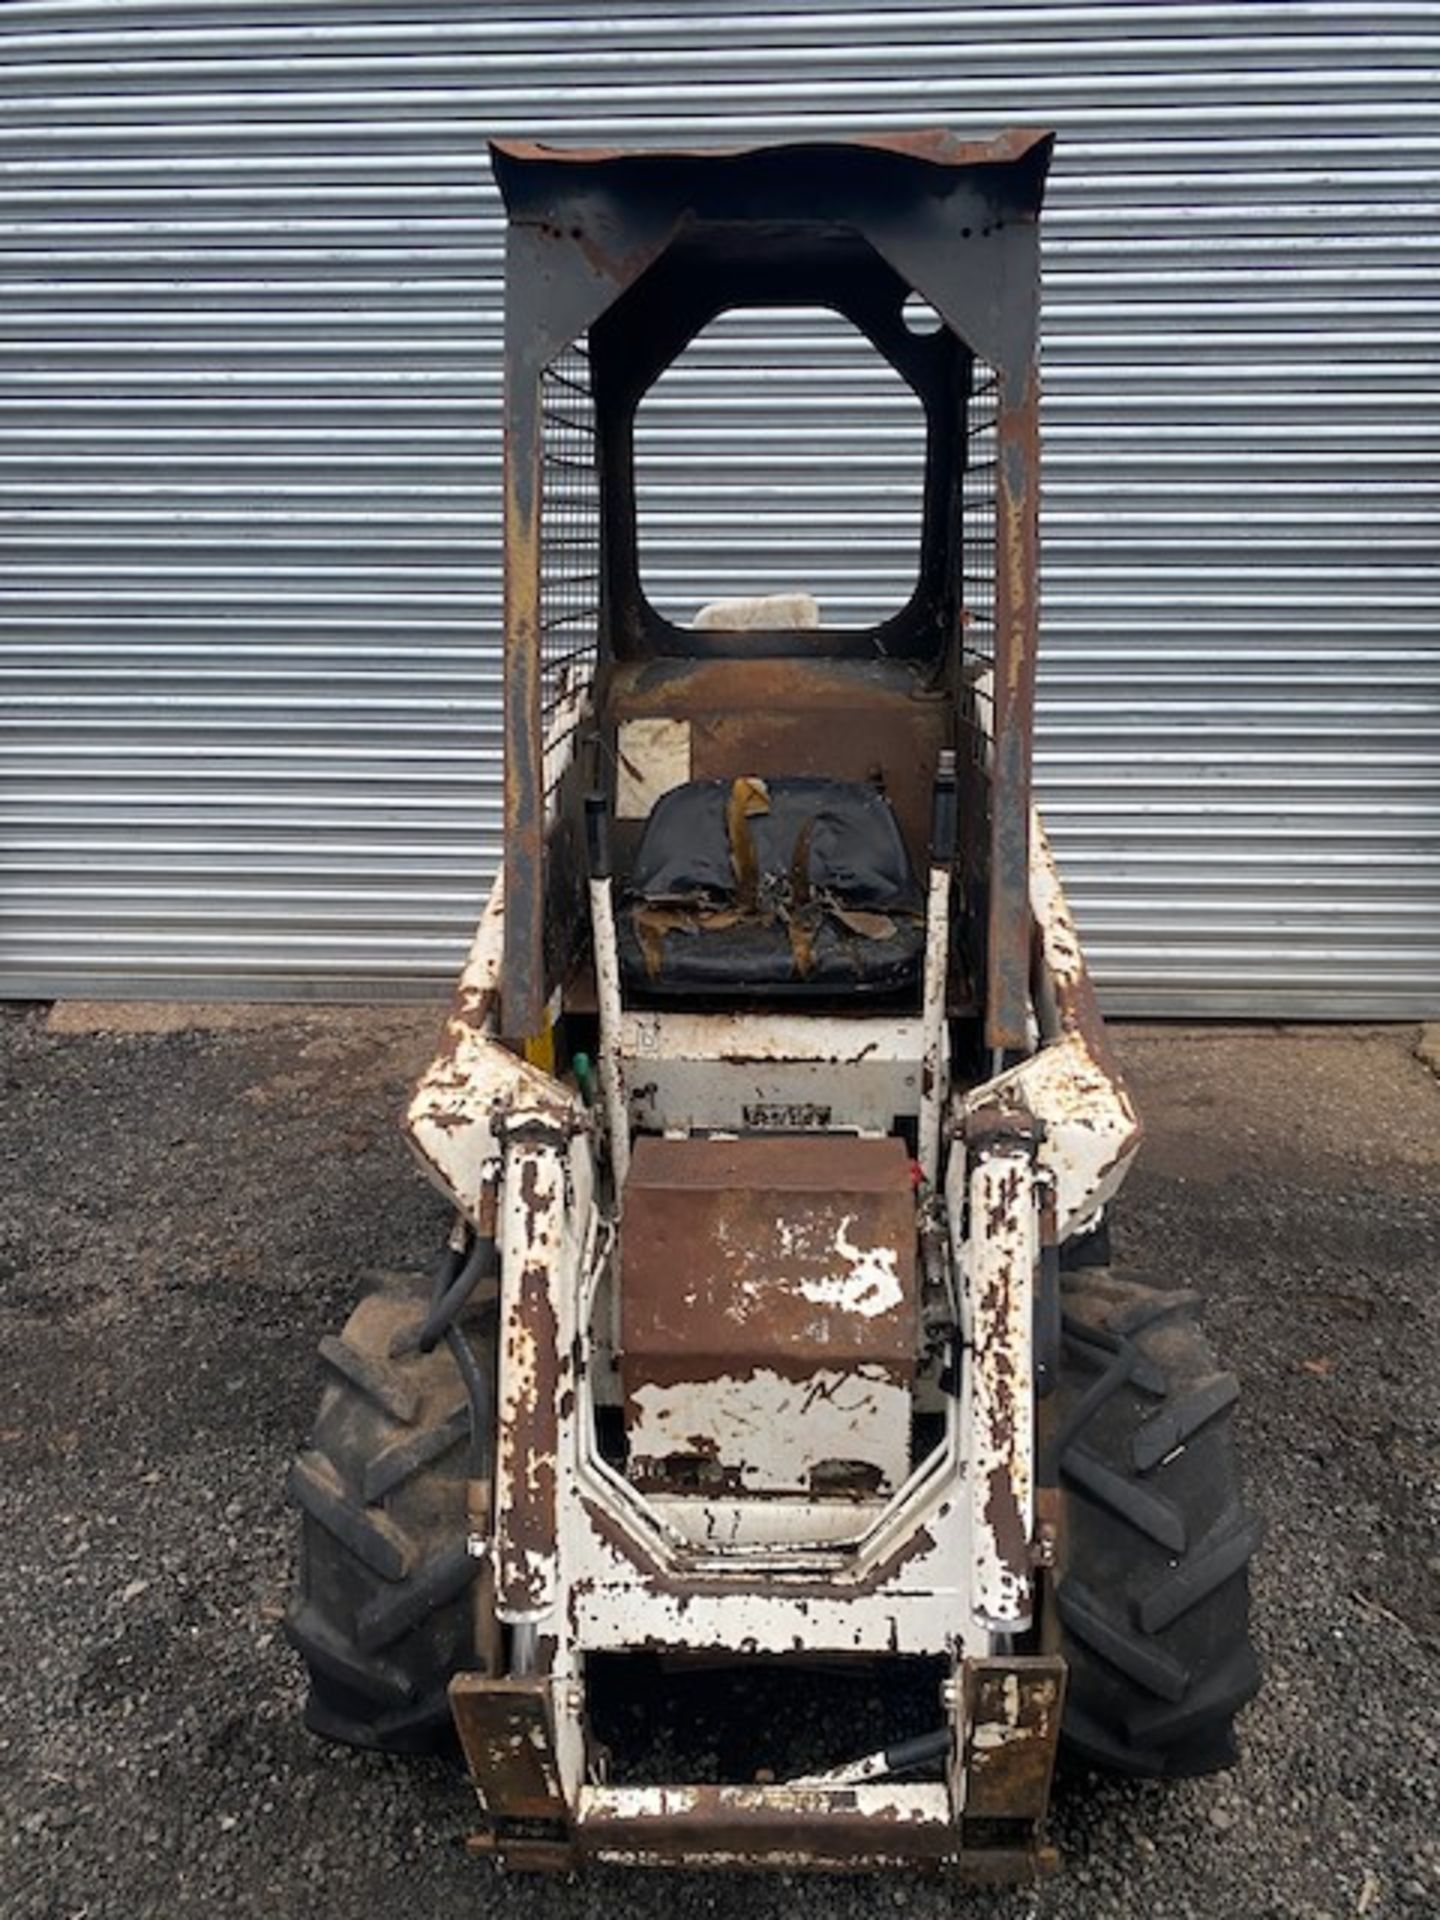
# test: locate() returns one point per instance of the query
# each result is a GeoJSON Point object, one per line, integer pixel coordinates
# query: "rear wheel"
{"type": "Point", "coordinates": [1153, 1592]}
{"type": "Point", "coordinates": [384, 1613]}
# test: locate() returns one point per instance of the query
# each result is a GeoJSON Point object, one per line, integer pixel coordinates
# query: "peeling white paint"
{"type": "Point", "coordinates": [711, 1070]}
{"type": "Point", "coordinates": [986, 1735]}
{"type": "Point", "coordinates": [449, 1123]}
{"type": "Point", "coordinates": [772, 1431]}
{"type": "Point", "coordinates": [998, 1262]}
{"type": "Point", "coordinates": [868, 1283]}
{"type": "Point", "coordinates": [890, 1803]}
{"type": "Point", "coordinates": [609, 1002]}
{"type": "Point", "coordinates": [652, 756]}
{"type": "Point", "coordinates": [1091, 1133]}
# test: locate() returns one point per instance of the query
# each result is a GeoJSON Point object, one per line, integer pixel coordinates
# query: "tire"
{"type": "Point", "coordinates": [384, 1612]}
{"type": "Point", "coordinates": [1153, 1587]}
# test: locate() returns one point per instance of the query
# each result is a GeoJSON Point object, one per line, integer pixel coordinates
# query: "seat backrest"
{"type": "Point", "coordinates": [717, 841]}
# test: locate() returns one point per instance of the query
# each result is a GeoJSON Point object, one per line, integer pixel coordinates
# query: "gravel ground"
{"type": "Point", "coordinates": [190, 1201]}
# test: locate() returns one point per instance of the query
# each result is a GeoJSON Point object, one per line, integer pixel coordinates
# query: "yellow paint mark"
{"type": "Point", "coordinates": [540, 1049]}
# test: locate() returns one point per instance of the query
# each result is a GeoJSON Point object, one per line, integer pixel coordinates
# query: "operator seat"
{"type": "Point", "coordinates": [764, 889]}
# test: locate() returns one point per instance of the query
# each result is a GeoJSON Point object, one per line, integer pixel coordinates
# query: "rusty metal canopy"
{"type": "Point", "coordinates": [635, 252]}
{"type": "Point", "coordinates": [537, 179]}
{"type": "Point", "coordinates": [921, 201]}
{"type": "Point", "coordinates": [937, 146]}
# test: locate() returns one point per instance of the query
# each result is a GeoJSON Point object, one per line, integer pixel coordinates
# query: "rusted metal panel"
{"type": "Point", "coordinates": [507, 1733]}
{"type": "Point", "coordinates": [769, 1313]}
{"type": "Point", "coordinates": [1011, 1710]}
{"type": "Point", "coordinates": [799, 1250]}
{"type": "Point", "coordinates": [1017, 588]}
{"type": "Point", "coordinates": [843, 719]}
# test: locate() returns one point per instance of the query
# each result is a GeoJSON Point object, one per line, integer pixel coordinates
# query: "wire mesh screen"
{"type": "Point", "coordinates": [569, 557]}
{"type": "Point", "coordinates": [978, 488]}
{"type": "Point", "coordinates": [977, 509]}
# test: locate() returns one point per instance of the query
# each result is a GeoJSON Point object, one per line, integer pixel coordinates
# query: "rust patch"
{"type": "Point", "coordinates": [1002, 1510]}
{"type": "Point", "coordinates": [537, 1203]}
{"type": "Point", "coordinates": [1012, 1707]}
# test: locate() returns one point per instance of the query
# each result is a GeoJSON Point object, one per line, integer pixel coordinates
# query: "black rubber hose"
{"type": "Point", "coordinates": [597, 836]}
{"type": "Point", "coordinates": [921, 1751]}
{"type": "Point", "coordinates": [479, 1385]}
{"type": "Point", "coordinates": [1049, 1322]}
{"type": "Point", "coordinates": [451, 1296]}
{"type": "Point", "coordinates": [446, 1267]}
{"type": "Point", "coordinates": [480, 1388]}
{"type": "Point", "coordinates": [906, 1755]}
{"type": "Point", "coordinates": [942, 812]}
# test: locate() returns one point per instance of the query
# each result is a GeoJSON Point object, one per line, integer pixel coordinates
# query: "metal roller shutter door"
{"type": "Point", "coordinates": [249, 389]}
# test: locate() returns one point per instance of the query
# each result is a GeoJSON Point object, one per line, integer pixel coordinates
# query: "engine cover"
{"type": "Point", "coordinates": [769, 1318]}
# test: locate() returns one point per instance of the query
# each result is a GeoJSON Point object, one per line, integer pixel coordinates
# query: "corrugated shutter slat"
{"type": "Point", "coordinates": [249, 435]}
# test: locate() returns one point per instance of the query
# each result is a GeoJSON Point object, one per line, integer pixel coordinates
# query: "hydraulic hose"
{"type": "Point", "coordinates": [453, 1288]}
{"type": "Point", "coordinates": [455, 1280]}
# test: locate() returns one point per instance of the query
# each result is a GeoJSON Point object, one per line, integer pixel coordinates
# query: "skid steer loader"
{"type": "Point", "coordinates": [773, 1472]}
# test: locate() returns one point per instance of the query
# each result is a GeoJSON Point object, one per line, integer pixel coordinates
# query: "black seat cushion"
{"type": "Point", "coordinates": [752, 887]}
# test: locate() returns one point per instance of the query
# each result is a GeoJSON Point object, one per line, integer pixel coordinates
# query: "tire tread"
{"type": "Point", "coordinates": [1153, 1595]}
{"type": "Point", "coordinates": [384, 1612]}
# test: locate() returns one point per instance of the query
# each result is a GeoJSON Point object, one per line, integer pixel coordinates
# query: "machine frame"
{"type": "Point", "coordinates": [1021, 1127]}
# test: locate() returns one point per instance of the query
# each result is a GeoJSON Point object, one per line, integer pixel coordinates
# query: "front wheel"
{"type": "Point", "coordinates": [1153, 1582]}
{"type": "Point", "coordinates": [384, 1612]}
